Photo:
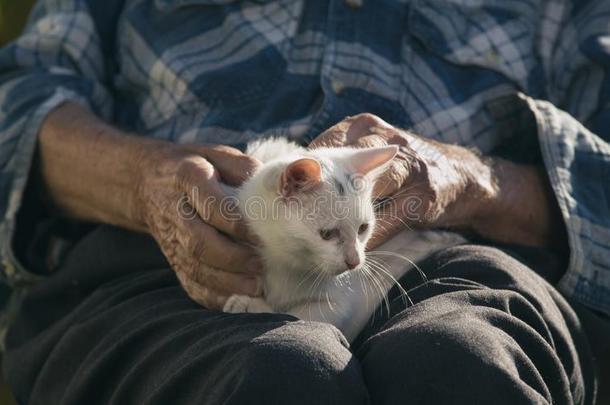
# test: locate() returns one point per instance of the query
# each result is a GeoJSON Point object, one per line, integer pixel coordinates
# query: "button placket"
{"type": "Point", "coordinates": [354, 4]}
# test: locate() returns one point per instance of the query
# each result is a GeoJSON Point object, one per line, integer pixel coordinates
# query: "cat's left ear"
{"type": "Point", "coordinates": [300, 175]}
{"type": "Point", "coordinates": [372, 161]}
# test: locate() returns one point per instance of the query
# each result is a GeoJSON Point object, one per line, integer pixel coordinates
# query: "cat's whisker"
{"type": "Point", "coordinates": [402, 257]}
{"type": "Point", "coordinates": [382, 217]}
{"type": "Point", "coordinates": [400, 193]}
{"type": "Point", "coordinates": [314, 286]}
{"type": "Point", "coordinates": [380, 267]}
{"type": "Point", "coordinates": [312, 291]}
{"type": "Point", "coordinates": [322, 314]}
{"type": "Point", "coordinates": [329, 303]}
{"type": "Point", "coordinates": [378, 286]}
{"type": "Point", "coordinates": [367, 277]}
{"type": "Point", "coordinates": [311, 272]}
{"type": "Point", "coordinates": [381, 225]}
{"type": "Point", "coordinates": [364, 288]}
{"type": "Point", "coordinates": [291, 244]}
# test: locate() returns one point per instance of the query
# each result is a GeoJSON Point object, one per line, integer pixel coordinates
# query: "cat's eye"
{"type": "Point", "coordinates": [328, 234]}
{"type": "Point", "coordinates": [363, 228]}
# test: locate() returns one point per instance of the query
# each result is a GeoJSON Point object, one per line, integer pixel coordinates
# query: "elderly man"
{"type": "Point", "coordinates": [114, 113]}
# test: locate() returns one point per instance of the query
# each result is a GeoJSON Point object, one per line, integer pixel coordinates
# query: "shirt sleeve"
{"type": "Point", "coordinates": [58, 58]}
{"type": "Point", "coordinates": [574, 130]}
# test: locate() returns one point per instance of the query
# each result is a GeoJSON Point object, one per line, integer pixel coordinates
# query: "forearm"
{"type": "Point", "coordinates": [88, 168]}
{"type": "Point", "coordinates": [498, 199]}
{"type": "Point", "coordinates": [522, 209]}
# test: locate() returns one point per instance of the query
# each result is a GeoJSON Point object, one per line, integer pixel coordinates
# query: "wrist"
{"type": "Point", "coordinates": [154, 165]}
{"type": "Point", "coordinates": [523, 209]}
{"type": "Point", "coordinates": [463, 182]}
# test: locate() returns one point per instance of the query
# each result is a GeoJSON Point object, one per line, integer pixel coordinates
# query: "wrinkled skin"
{"type": "Point", "coordinates": [92, 171]}
{"type": "Point", "coordinates": [428, 184]}
{"type": "Point", "coordinates": [181, 203]}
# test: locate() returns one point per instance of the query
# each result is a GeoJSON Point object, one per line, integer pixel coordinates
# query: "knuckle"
{"type": "Point", "coordinates": [198, 247]}
{"type": "Point", "coordinates": [236, 260]}
{"type": "Point", "coordinates": [227, 220]}
{"type": "Point", "coordinates": [368, 119]}
{"type": "Point", "coordinates": [200, 276]}
{"type": "Point", "coordinates": [250, 163]}
{"type": "Point", "coordinates": [211, 278]}
{"type": "Point", "coordinates": [225, 149]}
{"type": "Point", "coordinates": [395, 177]}
{"type": "Point", "coordinates": [365, 116]}
{"type": "Point", "coordinates": [372, 141]}
{"type": "Point", "coordinates": [184, 170]}
{"type": "Point", "coordinates": [190, 170]}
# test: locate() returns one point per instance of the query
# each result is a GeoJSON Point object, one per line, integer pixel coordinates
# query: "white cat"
{"type": "Point", "coordinates": [313, 213]}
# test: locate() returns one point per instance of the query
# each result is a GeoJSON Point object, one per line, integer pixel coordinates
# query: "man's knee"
{"type": "Point", "coordinates": [300, 362]}
{"type": "Point", "coordinates": [485, 265]}
{"type": "Point", "coordinates": [464, 348]}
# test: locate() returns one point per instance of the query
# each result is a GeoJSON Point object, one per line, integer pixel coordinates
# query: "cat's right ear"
{"type": "Point", "coordinates": [300, 175]}
{"type": "Point", "coordinates": [371, 161]}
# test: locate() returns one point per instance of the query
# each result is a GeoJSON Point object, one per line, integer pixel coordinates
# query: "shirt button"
{"type": "Point", "coordinates": [355, 4]}
{"type": "Point", "coordinates": [337, 86]}
{"type": "Point", "coordinates": [492, 57]}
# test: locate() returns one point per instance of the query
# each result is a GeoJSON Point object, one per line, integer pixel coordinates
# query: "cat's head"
{"type": "Point", "coordinates": [320, 212]}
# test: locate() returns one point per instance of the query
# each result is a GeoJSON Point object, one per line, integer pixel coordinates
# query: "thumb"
{"type": "Point", "coordinates": [233, 166]}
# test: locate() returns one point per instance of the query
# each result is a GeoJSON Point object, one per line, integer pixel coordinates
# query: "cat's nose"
{"type": "Point", "coordinates": [352, 263]}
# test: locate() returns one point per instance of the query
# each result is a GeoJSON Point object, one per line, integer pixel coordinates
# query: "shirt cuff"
{"type": "Point", "coordinates": [578, 165]}
{"type": "Point", "coordinates": [18, 170]}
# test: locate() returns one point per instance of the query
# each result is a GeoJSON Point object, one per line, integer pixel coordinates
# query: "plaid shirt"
{"type": "Point", "coordinates": [527, 78]}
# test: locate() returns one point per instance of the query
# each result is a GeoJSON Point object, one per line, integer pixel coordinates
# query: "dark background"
{"type": "Point", "coordinates": [13, 15]}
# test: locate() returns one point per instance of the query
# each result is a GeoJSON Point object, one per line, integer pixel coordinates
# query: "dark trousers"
{"type": "Point", "coordinates": [112, 326]}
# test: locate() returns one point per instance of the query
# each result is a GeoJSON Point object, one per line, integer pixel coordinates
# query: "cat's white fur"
{"type": "Point", "coordinates": [306, 276]}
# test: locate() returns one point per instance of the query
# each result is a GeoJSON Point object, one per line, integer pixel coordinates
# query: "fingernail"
{"type": "Point", "coordinates": [255, 265]}
{"type": "Point", "coordinates": [259, 287]}
{"type": "Point", "coordinates": [254, 287]}
{"type": "Point", "coordinates": [221, 300]}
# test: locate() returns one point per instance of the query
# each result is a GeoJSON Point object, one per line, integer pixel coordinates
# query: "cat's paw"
{"type": "Point", "coordinates": [442, 239]}
{"type": "Point", "coordinates": [242, 303]}
{"type": "Point", "coordinates": [237, 304]}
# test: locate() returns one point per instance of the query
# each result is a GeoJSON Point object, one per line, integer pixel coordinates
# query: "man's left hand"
{"type": "Point", "coordinates": [432, 184]}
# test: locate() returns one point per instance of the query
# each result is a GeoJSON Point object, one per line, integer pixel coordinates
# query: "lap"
{"type": "Point", "coordinates": [484, 328]}
{"type": "Point", "coordinates": [138, 338]}
{"type": "Point", "coordinates": [114, 325]}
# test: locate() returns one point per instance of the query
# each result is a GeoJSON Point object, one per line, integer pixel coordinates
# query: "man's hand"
{"type": "Point", "coordinates": [441, 185]}
{"type": "Point", "coordinates": [184, 207]}
{"type": "Point", "coordinates": [92, 171]}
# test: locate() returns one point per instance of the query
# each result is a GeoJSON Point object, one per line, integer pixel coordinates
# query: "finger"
{"type": "Point", "coordinates": [218, 280]}
{"type": "Point", "coordinates": [386, 226]}
{"type": "Point", "coordinates": [233, 165]}
{"type": "Point", "coordinates": [202, 295]}
{"type": "Point", "coordinates": [370, 141]}
{"type": "Point", "coordinates": [364, 124]}
{"type": "Point", "coordinates": [198, 179]}
{"type": "Point", "coordinates": [389, 182]}
{"type": "Point", "coordinates": [397, 213]}
{"type": "Point", "coordinates": [398, 175]}
{"type": "Point", "coordinates": [349, 130]}
{"type": "Point", "coordinates": [208, 246]}
{"type": "Point", "coordinates": [334, 136]}
{"type": "Point", "coordinates": [228, 283]}
{"type": "Point", "coordinates": [392, 135]}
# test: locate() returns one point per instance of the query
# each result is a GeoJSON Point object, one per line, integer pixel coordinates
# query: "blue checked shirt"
{"type": "Point", "coordinates": [523, 77]}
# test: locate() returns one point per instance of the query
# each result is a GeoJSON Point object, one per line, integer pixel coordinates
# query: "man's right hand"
{"type": "Point", "coordinates": [92, 171]}
{"type": "Point", "coordinates": [184, 207]}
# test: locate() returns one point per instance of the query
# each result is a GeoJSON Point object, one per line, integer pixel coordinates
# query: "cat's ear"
{"type": "Point", "coordinates": [371, 161]}
{"type": "Point", "coordinates": [300, 175]}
